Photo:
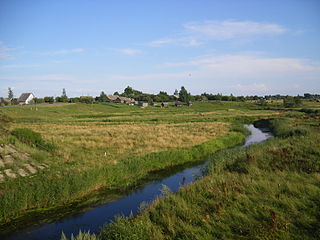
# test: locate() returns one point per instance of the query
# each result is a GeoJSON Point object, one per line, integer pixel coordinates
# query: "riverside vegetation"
{"type": "Point", "coordinates": [115, 146]}
{"type": "Point", "coordinates": [266, 191]}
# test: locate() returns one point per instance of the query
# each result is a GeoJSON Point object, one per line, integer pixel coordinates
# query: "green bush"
{"type": "Point", "coordinates": [32, 138]}
{"type": "Point", "coordinates": [282, 127]}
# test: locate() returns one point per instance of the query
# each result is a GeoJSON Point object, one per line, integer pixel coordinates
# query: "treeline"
{"type": "Point", "coordinates": [183, 96]}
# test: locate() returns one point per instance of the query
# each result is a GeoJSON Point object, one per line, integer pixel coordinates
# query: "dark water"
{"type": "Point", "coordinates": [93, 218]}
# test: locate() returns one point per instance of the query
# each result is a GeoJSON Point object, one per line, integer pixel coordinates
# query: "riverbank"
{"type": "Point", "coordinates": [266, 191]}
{"type": "Point", "coordinates": [69, 182]}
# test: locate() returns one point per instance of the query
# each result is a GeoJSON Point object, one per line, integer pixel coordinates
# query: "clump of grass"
{"type": "Point", "coordinates": [81, 236]}
{"type": "Point", "coordinates": [282, 127]}
{"type": "Point", "coordinates": [32, 138]}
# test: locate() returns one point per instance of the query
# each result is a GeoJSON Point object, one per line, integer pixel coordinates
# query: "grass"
{"type": "Point", "coordinates": [90, 152]}
{"type": "Point", "coordinates": [267, 191]}
{"type": "Point", "coordinates": [114, 146]}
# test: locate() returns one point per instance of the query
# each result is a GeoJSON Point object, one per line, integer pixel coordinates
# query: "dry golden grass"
{"type": "Point", "coordinates": [109, 143]}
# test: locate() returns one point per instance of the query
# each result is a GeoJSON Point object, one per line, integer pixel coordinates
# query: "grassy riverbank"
{"type": "Point", "coordinates": [267, 191]}
{"type": "Point", "coordinates": [106, 145]}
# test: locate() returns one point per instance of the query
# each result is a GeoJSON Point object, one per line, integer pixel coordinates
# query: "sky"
{"type": "Point", "coordinates": [245, 47]}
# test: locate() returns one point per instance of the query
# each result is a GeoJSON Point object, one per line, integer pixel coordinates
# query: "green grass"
{"type": "Point", "coordinates": [76, 174]}
{"type": "Point", "coordinates": [82, 133]}
{"type": "Point", "coordinates": [267, 191]}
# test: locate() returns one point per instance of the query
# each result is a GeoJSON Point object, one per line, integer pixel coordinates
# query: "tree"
{"type": "Point", "coordinates": [103, 97]}
{"type": "Point", "coordinates": [184, 96]}
{"type": "Point", "coordinates": [64, 97]}
{"type": "Point", "coordinates": [10, 93]}
{"type": "Point", "coordinates": [290, 102]}
{"type": "Point", "coordinates": [128, 90]}
{"type": "Point", "coordinates": [49, 99]}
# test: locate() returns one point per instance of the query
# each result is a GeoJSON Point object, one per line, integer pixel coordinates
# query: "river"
{"type": "Point", "coordinates": [94, 217]}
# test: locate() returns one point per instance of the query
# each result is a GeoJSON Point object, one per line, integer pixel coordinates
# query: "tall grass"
{"type": "Point", "coordinates": [266, 191]}
{"type": "Point", "coordinates": [57, 187]}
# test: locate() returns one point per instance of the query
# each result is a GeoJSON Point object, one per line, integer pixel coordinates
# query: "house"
{"type": "Point", "coordinates": [118, 99]}
{"type": "Point", "coordinates": [143, 104]}
{"type": "Point", "coordinates": [164, 105]}
{"type": "Point", "coordinates": [178, 104]}
{"type": "Point", "coordinates": [26, 98]}
{"type": "Point", "coordinates": [112, 98]}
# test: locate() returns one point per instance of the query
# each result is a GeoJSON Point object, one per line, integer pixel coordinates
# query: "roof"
{"type": "Point", "coordinates": [24, 97]}
{"type": "Point", "coordinates": [112, 97]}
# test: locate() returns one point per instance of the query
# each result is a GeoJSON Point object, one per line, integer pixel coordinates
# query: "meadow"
{"type": "Point", "coordinates": [267, 191]}
{"type": "Point", "coordinates": [112, 146]}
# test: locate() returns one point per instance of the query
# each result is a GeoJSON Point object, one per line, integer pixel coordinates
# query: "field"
{"type": "Point", "coordinates": [104, 145]}
{"type": "Point", "coordinates": [70, 150]}
{"type": "Point", "coordinates": [268, 191]}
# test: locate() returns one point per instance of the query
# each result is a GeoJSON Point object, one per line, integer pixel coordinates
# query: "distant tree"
{"type": "Point", "coordinates": [184, 96]}
{"type": "Point", "coordinates": [128, 90]}
{"type": "Point", "coordinates": [10, 93]}
{"type": "Point", "coordinates": [38, 100]}
{"type": "Point", "coordinates": [103, 97]}
{"type": "Point", "coordinates": [64, 97]}
{"type": "Point", "coordinates": [58, 99]}
{"type": "Point", "coordinates": [74, 100]}
{"type": "Point", "coordinates": [162, 97]}
{"type": "Point", "coordinates": [49, 99]}
{"type": "Point", "coordinates": [176, 92]}
{"type": "Point", "coordinates": [290, 102]}
{"type": "Point", "coordinates": [116, 93]}
{"type": "Point", "coordinates": [86, 99]}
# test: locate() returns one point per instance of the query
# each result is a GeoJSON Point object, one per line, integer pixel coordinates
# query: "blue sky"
{"type": "Point", "coordinates": [239, 47]}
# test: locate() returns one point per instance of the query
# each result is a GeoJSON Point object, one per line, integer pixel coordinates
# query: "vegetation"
{"type": "Point", "coordinates": [114, 146]}
{"type": "Point", "coordinates": [267, 191]}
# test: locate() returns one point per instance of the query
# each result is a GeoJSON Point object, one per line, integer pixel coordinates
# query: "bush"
{"type": "Point", "coordinates": [32, 138]}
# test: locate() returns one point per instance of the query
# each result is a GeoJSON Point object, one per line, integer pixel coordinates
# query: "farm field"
{"type": "Point", "coordinates": [114, 146]}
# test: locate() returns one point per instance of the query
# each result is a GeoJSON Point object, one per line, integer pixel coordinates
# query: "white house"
{"type": "Point", "coordinates": [26, 98]}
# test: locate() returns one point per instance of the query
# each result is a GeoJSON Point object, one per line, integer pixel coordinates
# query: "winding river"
{"type": "Point", "coordinates": [94, 217]}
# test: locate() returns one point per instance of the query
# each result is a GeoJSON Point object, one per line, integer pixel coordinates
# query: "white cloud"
{"type": "Point", "coordinates": [62, 52]}
{"type": "Point", "coordinates": [253, 87]}
{"type": "Point", "coordinates": [195, 33]}
{"type": "Point", "coordinates": [128, 51]}
{"type": "Point", "coordinates": [221, 30]}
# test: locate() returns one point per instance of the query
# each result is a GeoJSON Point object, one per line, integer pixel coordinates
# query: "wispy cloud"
{"type": "Point", "coordinates": [253, 87]}
{"type": "Point", "coordinates": [5, 51]}
{"type": "Point", "coordinates": [222, 30]}
{"type": "Point", "coordinates": [62, 52]}
{"type": "Point", "coordinates": [128, 51]}
{"type": "Point", "coordinates": [195, 33]}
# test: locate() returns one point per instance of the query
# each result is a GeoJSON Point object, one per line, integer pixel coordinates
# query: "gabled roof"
{"type": "Point", "coordinates": [112, 97]}
{"type": "Point", "coordinates": [24, 97]}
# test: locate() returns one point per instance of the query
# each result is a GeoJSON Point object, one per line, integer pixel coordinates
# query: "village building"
{"type": "Point", "coordinates": [26, 98]}
{"type": "Point", "coordinates": [178, 104]}
{"type": "Point", "coordinates": [112, 98]}
{"type": "Point", "coordinates": [164, 105]}
{"type": "Point", "coordinates": [143, 104]}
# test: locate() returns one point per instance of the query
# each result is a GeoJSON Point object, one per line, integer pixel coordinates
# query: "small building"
{"type": "Point", "coordinates": [26, 98]}
{"type": "Point", "coordinates": [143, 104]}
{"type": "Point", "coordinates": [178, 104]}
{"type": "Point", "coordinates": [164, 105]}
{"type": "Point", "coordinates": [112, 98]}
